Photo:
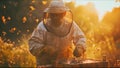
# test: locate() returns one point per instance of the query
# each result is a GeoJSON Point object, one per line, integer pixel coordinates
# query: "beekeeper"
{"type": "Point", "coordinates": [57, 38]}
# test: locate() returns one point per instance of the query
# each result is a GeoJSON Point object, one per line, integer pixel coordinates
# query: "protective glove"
{"type": "Point", "coordinates": [79, 50]}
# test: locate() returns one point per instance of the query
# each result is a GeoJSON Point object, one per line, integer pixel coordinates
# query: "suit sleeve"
{"type": "Point", "coordinates": [79, 38]}
{"type": "Point", "coordinates": [36, 42]}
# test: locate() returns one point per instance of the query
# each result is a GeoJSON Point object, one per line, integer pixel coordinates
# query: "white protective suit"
{"type": "Point", "coordinates": [56, 44]}
{"type": "Point", "coordinates": [55, 47]}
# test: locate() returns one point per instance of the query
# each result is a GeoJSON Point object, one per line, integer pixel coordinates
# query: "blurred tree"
{"type": "Point", "coordinates": [85, 16]}
{"type": "Point", "coordinates": [112, 19]}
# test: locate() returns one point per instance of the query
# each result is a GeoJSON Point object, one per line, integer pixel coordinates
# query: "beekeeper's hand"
{"type": "Point", "coordinates": [79, 51]}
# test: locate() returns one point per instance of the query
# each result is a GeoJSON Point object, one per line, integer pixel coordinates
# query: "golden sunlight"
{"type": "Point", "coordinates": [102, 39]}
{"type": "Point", "coordinates": [101, 6]}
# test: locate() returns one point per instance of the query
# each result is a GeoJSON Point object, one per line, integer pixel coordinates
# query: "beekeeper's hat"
{"type": "Point", "coordinates": [56, 6]}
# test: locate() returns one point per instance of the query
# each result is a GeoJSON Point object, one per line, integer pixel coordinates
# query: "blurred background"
{"type": "Point", "coordinates": [99, 20]}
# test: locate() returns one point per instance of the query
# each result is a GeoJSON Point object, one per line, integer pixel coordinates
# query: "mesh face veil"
{"type": "Point", "coordinates": [58, 19]}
